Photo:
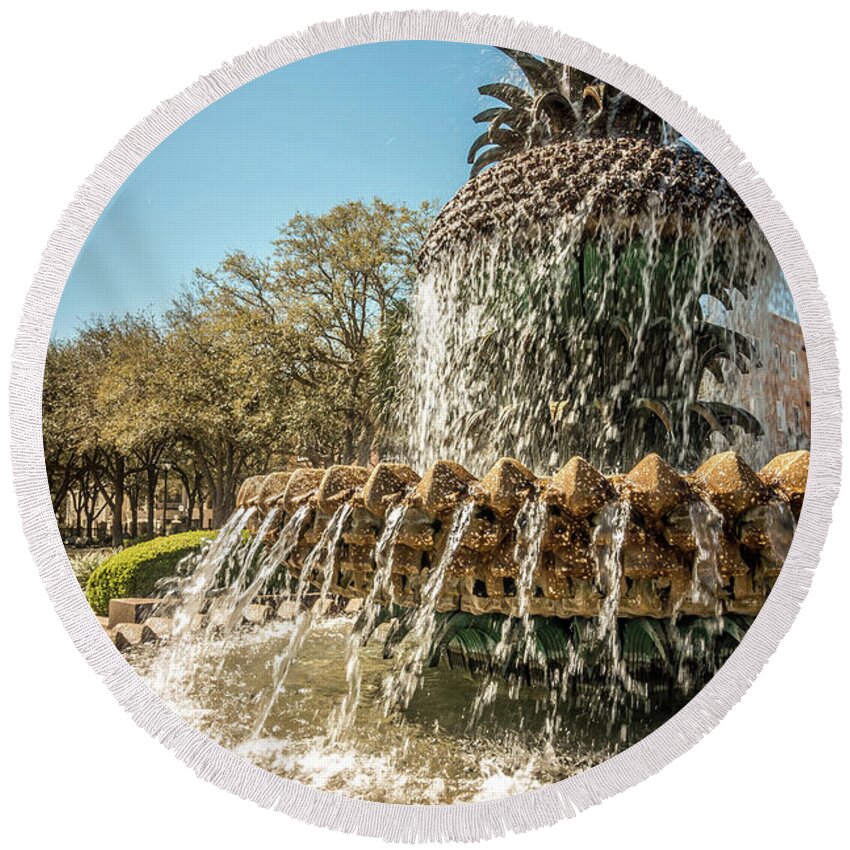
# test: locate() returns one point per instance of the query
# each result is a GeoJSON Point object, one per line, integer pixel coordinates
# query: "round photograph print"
{"type": "Point", "coordinates": [426, 422]}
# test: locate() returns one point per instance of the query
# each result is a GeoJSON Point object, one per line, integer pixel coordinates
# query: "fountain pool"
{"type": "Point", "coordinates": [425, 754]}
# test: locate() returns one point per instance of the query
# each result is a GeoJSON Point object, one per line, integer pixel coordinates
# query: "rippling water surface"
{"type": "Point", "coordinates": [429, 752]}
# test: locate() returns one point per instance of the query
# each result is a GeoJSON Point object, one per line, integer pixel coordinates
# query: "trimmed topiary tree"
{"type": "Point", "coordinates": [136, 570]}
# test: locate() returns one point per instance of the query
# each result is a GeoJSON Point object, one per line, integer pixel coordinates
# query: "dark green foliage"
{"type": "Point", "coordinates": [680, 655]}
{"type": "Point", "coordinates": [136, 570]}
{"type": "Point", "coordinates": [645, 644]}
{"type": "Point", "coordinates": [553, 644]}
{"type": "Point", "coordinates": [468, 639]}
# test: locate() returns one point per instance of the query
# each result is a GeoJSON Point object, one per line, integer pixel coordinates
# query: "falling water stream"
{"type": "Point", "coordinates": [516, 641]}
{"type": "Point", "coordinates": [571, 346]}
{"type": "Point", "coordinates": [323, 559]}
{"type": "Point", "coordinates": [342, 703]}
{"type": "Point", "coordinates": [364, 626]}
{"type": "Point", "coordinates": [210, 564]}
{"type": "Point", "coordinates": [402, 683]}
{"type": "Point", "coordinates": [608, 538]}
{"type": "Point", "coordinates": [226, 609]}
{"type": "Point", "coordinates": [707, 524]}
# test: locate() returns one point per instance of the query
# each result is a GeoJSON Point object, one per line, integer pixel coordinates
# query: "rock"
{"type": "Point", "coordinates": [132, 634]}
{"type": "Point", "coordinates": [657, 553]}
{"type": "Point", "coordinates": [552, 582]}
{"type": "Point", "coordinates": [788, 474]}
{"type": "Point", "coordinates": [463, 562]}
{"type": "Point", "coordinates": [483, 533]}
{"type": "Point", "coordinates": [407, 561]}
{"type": "Point", "coordinates": [678, 528]}
{"type": "Point", "coordinates": [287, 610]}
{"type": "Point", "coordinates": [730, 484]}
{"type": "Point", "coordinates": [506, 486]}
{"type": "Point", "coordinates": [643, 555]}
{"type": "Point", "coordinates": [257, 615]}
{"type": "Point", "coordinates": [729, 560]}
{"type": "Point", "coordinates": [386, 485]}
{"type": "Point", "coordinates": [248, 491]}
{"type": "Point", "coordinates": [302, 484]}
{"type": "Point", "coordinates": [641, 600]}
{"type": "Point", "coordinates": [654, 487]}
{"type": "Point", "coordinates": [313, 531]}
{"type": "Point", "coordinates": [271, 490]}
{"type": "Point", "coordinates": [363, 528]}
{"type": "Point", "coordinates": [161, 627]}
{"type": "Point", "coordinates": [353, 606]}
{"type": "Point", "coordinates": [579, 489]}
{"type": "Point", "coordinates": [131, 609]}
{"type": "Point", "coordinates": [357, 557]}
{"type": "Point", "coordinates": [753, 527]}
{"type": "Point", "coordinates": [104, 621]}
{"type": "Point", "coordinates": [416, 529]}
{"type": "Point", "coordinates": [338, 485]}
{"type": "Point", "coordinates": [442, 487]}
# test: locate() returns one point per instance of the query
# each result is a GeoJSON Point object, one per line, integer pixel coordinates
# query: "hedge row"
{"type": "Point", "coordinates": [136, 570]}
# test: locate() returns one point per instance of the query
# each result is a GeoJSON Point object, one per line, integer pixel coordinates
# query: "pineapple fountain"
{"type": "Point", "coordinates": [557, 519]}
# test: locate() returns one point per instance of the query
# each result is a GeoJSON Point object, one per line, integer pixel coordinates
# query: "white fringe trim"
{"type": "Point", "coordinates": [460, 822]}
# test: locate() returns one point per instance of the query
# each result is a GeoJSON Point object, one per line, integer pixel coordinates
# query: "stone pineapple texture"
{"type": "Point", "coordinates": [659, 544]}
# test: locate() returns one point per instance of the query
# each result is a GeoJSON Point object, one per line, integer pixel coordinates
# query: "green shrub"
{"type": "Point", "coordinates": [136, 570]}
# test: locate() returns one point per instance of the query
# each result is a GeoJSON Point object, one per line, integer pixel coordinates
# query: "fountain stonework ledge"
{"type": "Point", "coordinates": [703, 544]}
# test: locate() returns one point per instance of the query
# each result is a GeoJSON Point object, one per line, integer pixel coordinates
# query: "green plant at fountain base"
{"type": "Point", "coordinates": [669, 654]}
{"type": "Point", "coordinates": [136, 570]}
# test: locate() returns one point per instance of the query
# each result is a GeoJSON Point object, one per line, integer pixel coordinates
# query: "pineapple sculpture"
{"type": "Point", "coordinates": [566, 290]}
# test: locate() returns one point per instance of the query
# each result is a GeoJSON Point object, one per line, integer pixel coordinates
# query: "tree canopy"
{"type": "Point", "coordinates": [256, 363]}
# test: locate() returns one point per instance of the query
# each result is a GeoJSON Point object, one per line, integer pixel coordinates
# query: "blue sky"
{"type": "Point", "coordinates": [392, 120]}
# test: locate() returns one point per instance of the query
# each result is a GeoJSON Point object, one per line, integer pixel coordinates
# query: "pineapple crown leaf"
{"type": "Point", "coordinates": [560, 103]}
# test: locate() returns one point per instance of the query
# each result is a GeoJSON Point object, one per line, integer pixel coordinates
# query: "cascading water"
{"type": "Point", "coordinates": [609, 536]}
{"type": "Point", "coordinates": [707, 524]}
{"type": "Point", "coordinates": [585, 334]}
{"type": "Point", "coordinates": [589, 691]}
{"type": "Point", "coordinates": [364, 626]}
{"type": "Point", "coordinates": [232, 553]}
{"type": "Point", "coordinates": [400, 686]}
{"type": "Point", "coordinates": [192, 596]}
{"type": "Point", "coordinates": [518, 631]}
{"type": "Point", "coordinates": [517, 641]}
{"type": "Point", "coordinates": [559, 343]}
{"type": "Point", "coordinates": [322, 559]}
{"type": "Point", "coordinates": [192, 593]}
{"type": "Point", "coordinates": [226, 609]}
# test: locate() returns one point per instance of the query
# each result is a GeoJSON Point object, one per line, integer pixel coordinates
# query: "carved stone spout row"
{"type": "Point", "coordinates": [704, 543]}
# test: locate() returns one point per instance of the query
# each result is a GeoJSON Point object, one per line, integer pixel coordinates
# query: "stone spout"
{"type": "Point", "coordinates": [724, 514]}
